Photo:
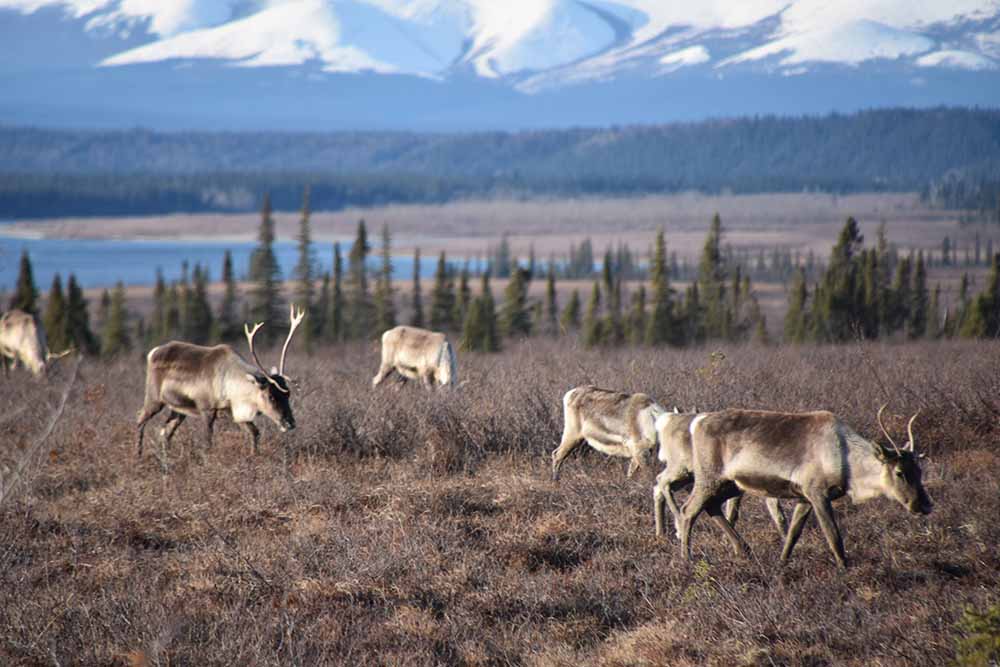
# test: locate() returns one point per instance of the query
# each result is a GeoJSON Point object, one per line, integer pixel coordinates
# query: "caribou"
{"type": "Point", "coordinates": [417, 354]}
{"type": "Point", "coordinates": [614, 423]}
{"type": "Point", "coordinates": [673, 431]}
{"type": "Point", "coordinates": [193, 380]}
{"type": "Point", "coordinates": [22, 338]}
{"type": "Point", "coordinates": [812, 457]}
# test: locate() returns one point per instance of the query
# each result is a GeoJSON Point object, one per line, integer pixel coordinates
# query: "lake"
{"type": "Point", "coordinates": [101, 263]}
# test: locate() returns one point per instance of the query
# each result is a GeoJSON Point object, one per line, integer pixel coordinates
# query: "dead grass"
{"type": "Point", "coordinates": [400, 527]}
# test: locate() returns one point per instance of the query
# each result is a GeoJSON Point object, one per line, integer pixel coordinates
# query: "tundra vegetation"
{"type": "Point", "coordinates": [424, 529]}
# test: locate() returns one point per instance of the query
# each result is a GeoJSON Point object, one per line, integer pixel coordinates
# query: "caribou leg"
{"type": "Point", "coordinates": [701, 494]}
{"type": "Point", "coordinates": [567, 445]}
{"type": "Point", "coordinates": [799, 516]}
{"type": "Point", "coordinates": [777, 516]}
{"type": "Point", "coordinates": [254, 433]}
{"type": "Point", "coordinates": [209, 427]}
{"type": "Point", "coordinates": [714, 509]}
{"type": "Point", "coordinates": [149, 410]}
{"type": "Point", "coordinates": [667, 482]}
{"type": "Point", "coordinates": [824, 514]}
{"type": "Point", "coordinates": [384, 371]}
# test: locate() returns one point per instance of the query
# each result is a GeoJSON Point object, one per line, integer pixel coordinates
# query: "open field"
{"type": "Point", "coordinates": [412, 528]}
{"type": "Point", "coordinates": [465, 228]}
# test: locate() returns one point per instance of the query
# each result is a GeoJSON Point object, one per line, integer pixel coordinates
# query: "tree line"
{"type": "Point", "coordinates": [872, 292]}
{"type": "Point", "coordinates": [949, 153]}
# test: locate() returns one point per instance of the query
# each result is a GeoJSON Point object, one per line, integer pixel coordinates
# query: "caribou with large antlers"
{"type": "Point", "coordinates": [22, 338]}
{"type": "Point", "coordinates": [192, 380]}
{"type": "Point", "coordinates": [812, 457]}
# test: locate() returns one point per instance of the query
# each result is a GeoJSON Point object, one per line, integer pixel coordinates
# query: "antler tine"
{"type": "Point", "coordinates": [253, 353]}
{"type": "Point", "coordinates": [296, 319]}
{"type": "Point", "coordinates": [909, 431]}
{"type": "Point", "coordinates": [882, 426]}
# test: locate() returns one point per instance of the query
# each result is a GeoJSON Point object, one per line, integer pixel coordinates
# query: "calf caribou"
{"type": "Point", "coordinates": [614, 423]}
{"type": "Point", "coordinates": [417, 354]}
{"type": "Point", "coordinates": [673, 431]}
{"type": "Point", "coordinates": [192, 380]}
{"type": "Point", "coordinates": [813, 457]}
{"type": "Point", "coordinates": [22, 338]}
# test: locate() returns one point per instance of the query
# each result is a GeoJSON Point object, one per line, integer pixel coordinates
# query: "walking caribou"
{"type": "Point", "coordinates": [614, 423]}
{"type": "Point", "coordinates": [22, 338]}
{"type": "Point", "coordinates": [193, 380]}
{"type": "Point", "coordinates": [673, 431]}
{"type": "Point", "coordinates": [417, 354]}
{"type": "Point", "coordinates": [812, 457]}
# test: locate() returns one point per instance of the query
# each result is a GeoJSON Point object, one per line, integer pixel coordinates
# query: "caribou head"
{"type": "Point", "coordinates": [901, 474]}
{"type": "Point", "coordinates": [273, 391]}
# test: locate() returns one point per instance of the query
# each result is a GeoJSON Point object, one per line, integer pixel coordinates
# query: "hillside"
{"type": "Point", "coordinates": [45, 172]}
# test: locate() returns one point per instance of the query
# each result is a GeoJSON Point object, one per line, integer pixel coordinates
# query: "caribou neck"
{"type": "Point", "coordinates": [864, 469]}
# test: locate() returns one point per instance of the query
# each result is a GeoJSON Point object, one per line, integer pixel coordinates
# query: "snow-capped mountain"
{"type": "Point", "coordinates": [538, 60]}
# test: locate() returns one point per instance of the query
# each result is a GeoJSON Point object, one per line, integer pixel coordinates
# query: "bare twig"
{"type": "Point", "coordinates": [8, 485]}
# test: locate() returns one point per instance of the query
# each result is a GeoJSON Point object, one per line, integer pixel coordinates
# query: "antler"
{"type": "Point", "coordinates": [882, 426]}
{"type": "Point", "coordinates": [253, 353]}
{"type": "Point", "coordinates": [909, 431]}
{"type": "Point", "coordinates": [49, 356]}
{"type": "Point", "coordinates": [296, 320]}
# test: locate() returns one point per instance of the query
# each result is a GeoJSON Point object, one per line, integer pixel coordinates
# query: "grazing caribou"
{"type": "Point", "coordinates": [192, 380]}
{"type": "Point", "coordinates": [22, 338]}
{"type": "Point", "coordinates": [614, 423]}
{"type": "Point", "coordinates": [417, 354]}
{"type": "Point", "coordinates": [673, 431]}
{"type": "Point", "coordinates": [813, 457]}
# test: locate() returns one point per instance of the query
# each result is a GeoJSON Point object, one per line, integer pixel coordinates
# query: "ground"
{"type": "Point", "coordinates": [416, 528]}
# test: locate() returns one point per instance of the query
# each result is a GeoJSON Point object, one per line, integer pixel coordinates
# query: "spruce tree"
{"type": "Point", "coordinates": [417, 317]}
{"type": "Point", "coordinates": [660, 325]}
{"type": "Point", "coordinates": [335, 329]}
{"type": "Point", "coordinates": [385, 298]}
{"type": "Point", "coordinates": [515, 319]}
{"type": "Point", "coordinates": [158, 320]}
{"type": "Point", "coordinates": [902, 296]}
{"type": "Point", "coordinates": [172, 322]}
{"type": "Point", "coordinates": [551, 311]}
{"type": "Point", "coordinates": [920, 300]}
{"type": "Point", "coordinates": [265, 275]}
{"type": "Point", "coordinates": [983, 318]}
{"type": "Point", "coordinates": [592, 333]}
{"type": "Point", "coordinates": [474, 334]}
{"type": "Point", "coordinates": [933, 331]}
{"type": "Point", "coordinates": [442, 296]}
{"type": "Point", "coordinates": [184, 294]}
{"type": "Point", "coordinates": [711, 283]}
{"type": "Point", "coordinates": [359, 307]}
{"type": "Point", "coordinates": [25, 295]}
{"type": "Point", "coordinates": [462, 298]}
{"type": "Point", "coordinates": [612, 331]}
{"type": "Point", "coordinates": [322, 308]}
{"type": "Point", "coordinates": [570, 318]}
{"type": "Point", "coordinates": [479, 330]}
{"type": "Point", "coordinates": [56, 317]}
{"type": "Point", "coordinates": [199, 311]}
{"type": "Point", "coordinates": [636, 323]}
{"type": "Point", "coordinates": [837, 306]}
{"type": "Point", "coordinates": [797, 316]}
{"type": "Point", "coordinates": [78, 332]}
{"type": "Point", "coordinates": [227, 325]}
{"type": "Point", "coordinates": [114, 332]}
{"type": "Point", "coordinates": [305, 275]}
